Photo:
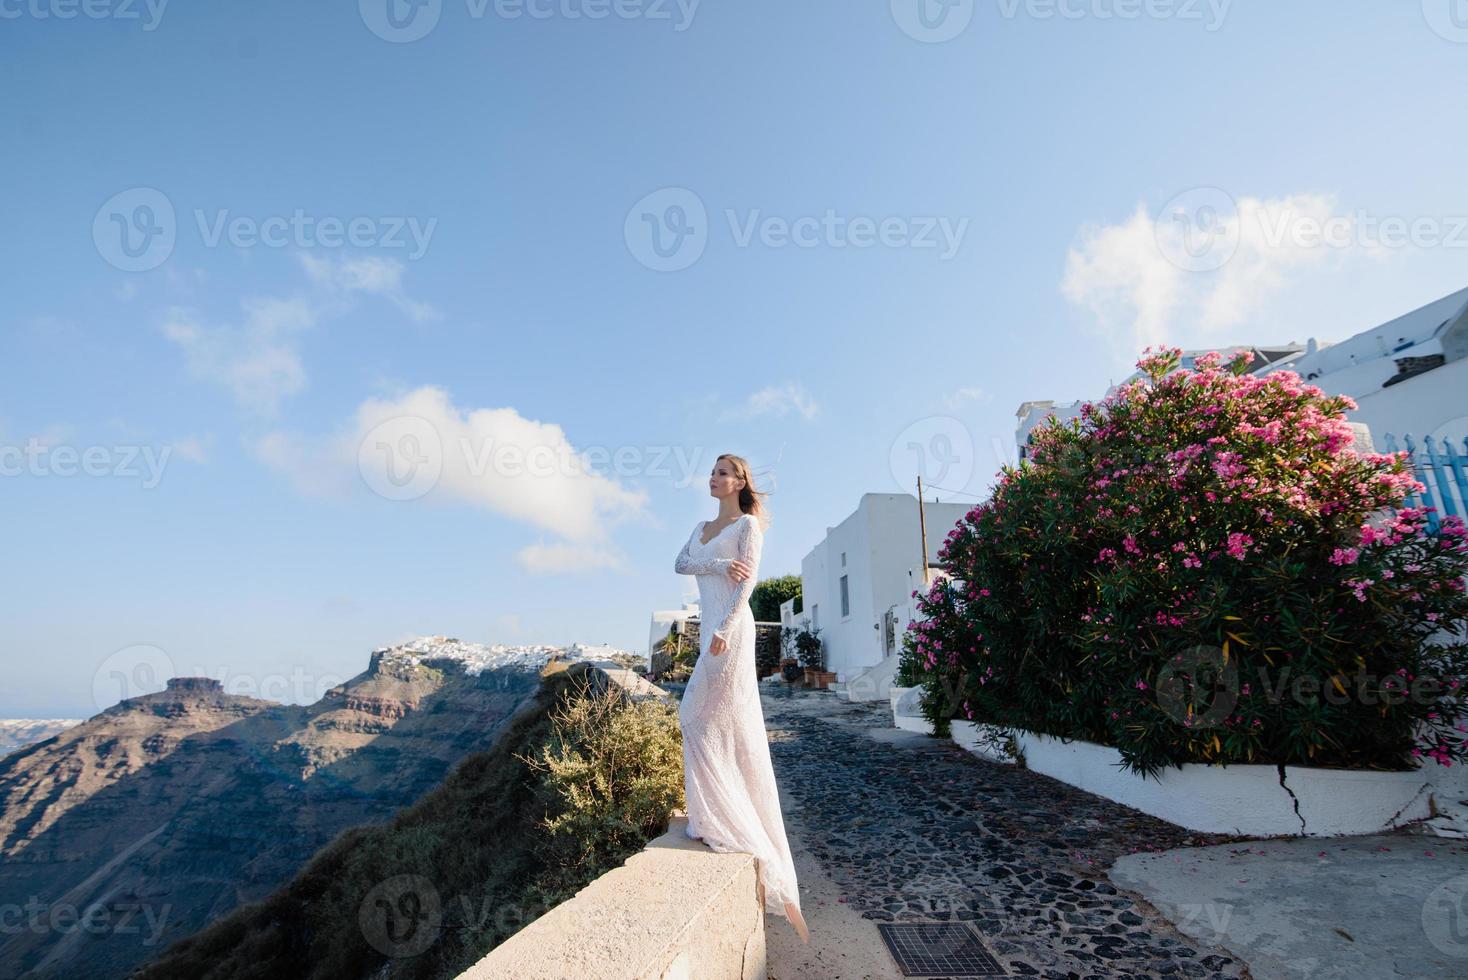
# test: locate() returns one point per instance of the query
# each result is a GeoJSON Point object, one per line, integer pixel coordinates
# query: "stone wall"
{"type": "Point", "coordinates": [766, 647]}
{"type": "Point", "coordinates": [766, 639]}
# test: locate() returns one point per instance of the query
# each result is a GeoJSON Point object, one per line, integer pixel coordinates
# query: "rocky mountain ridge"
{"type": "Point", "coordinates": [17, 733]}
{"type": "Point", "coordinates": [166, 810]}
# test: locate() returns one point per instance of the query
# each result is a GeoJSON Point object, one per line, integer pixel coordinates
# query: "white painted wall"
{"type": "Point", "coordinates": [1033, 413]}
{"type": "Point", "coordinates": [1243, 799]}
{"type": "Point", "coordinates": [881, 544]}
{"type": "Point", "coordinates": [663, 620]}
{"type": "Point", "coordinates": [1360, 363]}
{"type": "Point", "coordinates": [1432, 404]}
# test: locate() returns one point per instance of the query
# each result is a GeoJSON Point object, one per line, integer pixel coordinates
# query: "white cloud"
{"type": "Point", "coordinates": [371, 275]}
{"type": "Point", "coordinates": [1150, 280]}
{"type": "Point", "coordinates": [119, 424]}
{"type": "Point", "coordinates": [1119, 273]}
{"type": "Point", "coordinates": [258, 360]}
{"type": "Point", "coordinates": [491, 458]}
{"type": "Point", "coordinates": [315, 467]}
{"type": "Point", "coordinates": [962, 396]}
{"type": "Point", "coordinates": [545, 559]}
{"type": "Point", "coordinates": [193, 448]}
{"type": "Point", "coordinates": [776, 401]}
{"type": "Point", "coordinates": [55, 434]}
{"type": "Point", "coordinates": [58, 434]}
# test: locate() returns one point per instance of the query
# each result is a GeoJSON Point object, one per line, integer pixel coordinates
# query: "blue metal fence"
{"type": "Point", "coordinates": [1444, 473]}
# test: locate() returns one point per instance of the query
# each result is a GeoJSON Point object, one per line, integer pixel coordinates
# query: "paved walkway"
{"type": "Point", "coordinates": [910, 828]}
{"type": "Point", "coordinates": [1343, 908]}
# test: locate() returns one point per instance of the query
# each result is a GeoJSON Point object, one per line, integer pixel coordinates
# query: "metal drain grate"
{"type": "Point", "coordinates": [938, 949]}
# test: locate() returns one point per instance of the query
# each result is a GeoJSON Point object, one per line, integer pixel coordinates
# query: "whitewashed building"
{"type": "Point", "coordinates": [1034, 413]}
{"type": "Point", "coordinates": [1409, 375]}
{"type": "Point", "coordinates": [663, 620]}
{"type": "Point", "coordinates": [857, 586]}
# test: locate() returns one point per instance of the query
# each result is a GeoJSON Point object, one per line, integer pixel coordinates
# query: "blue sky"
{"type": "Point", "coordinates": [981, 218]}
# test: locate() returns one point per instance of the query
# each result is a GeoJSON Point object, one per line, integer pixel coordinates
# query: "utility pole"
{"type": "Point", "coordinates": [923, 530]}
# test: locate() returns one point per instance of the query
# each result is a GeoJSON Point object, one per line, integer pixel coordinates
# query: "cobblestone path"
{"type": "Point", "coordinates": [917, 829]}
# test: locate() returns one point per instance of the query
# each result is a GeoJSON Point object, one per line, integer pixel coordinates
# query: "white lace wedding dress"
{"type": "Point", "coordinates": [728, 779]}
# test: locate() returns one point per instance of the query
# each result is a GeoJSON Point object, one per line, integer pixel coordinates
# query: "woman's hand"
{"type": "Point", "coordinates": [738, 571]}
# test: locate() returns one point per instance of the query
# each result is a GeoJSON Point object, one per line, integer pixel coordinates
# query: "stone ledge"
{"type": "Point", "coordinates": [906, 713]}
{"type": "Point", "coordinates": [985, 741]}
{"type": "Point", "coordinates": [673, 910]}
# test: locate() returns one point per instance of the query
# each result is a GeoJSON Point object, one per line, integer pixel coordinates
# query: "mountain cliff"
{"type": "Point", "coordinates": [17, 733]}
{"type": "Point", "coordinates": [144, 823]}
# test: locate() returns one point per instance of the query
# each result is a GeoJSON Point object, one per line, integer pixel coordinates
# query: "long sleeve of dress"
{"type": "Point", "coordinates": [686, 564]}
{"type": "Point", "coordinates": [751, 542]}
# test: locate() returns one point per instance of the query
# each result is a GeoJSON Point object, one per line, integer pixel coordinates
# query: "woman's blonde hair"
{"type": "Point", "coordinates": [749, 497]}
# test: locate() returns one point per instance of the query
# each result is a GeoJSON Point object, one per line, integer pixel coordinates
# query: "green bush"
{"type": "Point", "coordinates": [808, 648]}
{"type": "Point", "coordinates": [937, 700]}
{"type": "Point", "coordinates": [611, 774]}
{"type": "Point", "coordinates": [767, 651]}
{"type": "Point", "coordinates": [910, 669]}
{"type": "Point", "coordinates": [1202, 569]}
{"type": "Point", "coordinates": [769, 593]}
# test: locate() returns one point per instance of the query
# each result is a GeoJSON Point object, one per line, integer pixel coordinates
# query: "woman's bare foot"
{"type": "Point", "coordinates": [792, 912]}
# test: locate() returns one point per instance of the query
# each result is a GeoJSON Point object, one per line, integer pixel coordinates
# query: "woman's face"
{"type": "Point", "coordinates": [722, 480]}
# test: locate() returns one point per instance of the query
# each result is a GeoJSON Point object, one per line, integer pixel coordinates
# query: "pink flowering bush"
{"type": "Point", "coordinates": [1202, 569]}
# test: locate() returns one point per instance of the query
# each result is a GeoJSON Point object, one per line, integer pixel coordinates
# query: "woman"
{"type": "Point", "coordinates": [728, 780]}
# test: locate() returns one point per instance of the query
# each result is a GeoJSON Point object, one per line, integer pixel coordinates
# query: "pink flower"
{"type": "Point", "coordinates": [1238, 544]}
